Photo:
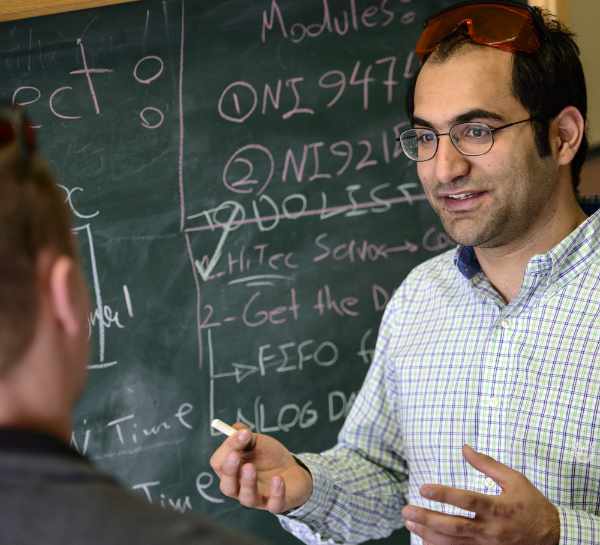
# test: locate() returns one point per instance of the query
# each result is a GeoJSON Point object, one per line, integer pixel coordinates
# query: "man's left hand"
{"type": "Point", "coordinates": [520, 515]}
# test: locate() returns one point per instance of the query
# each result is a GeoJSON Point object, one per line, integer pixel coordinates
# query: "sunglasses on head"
{"type": "Point", "coordinates": [505, 25]}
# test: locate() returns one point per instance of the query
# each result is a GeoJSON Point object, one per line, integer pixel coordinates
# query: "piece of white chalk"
{"type": "Point", "coordinates": [222, 427]}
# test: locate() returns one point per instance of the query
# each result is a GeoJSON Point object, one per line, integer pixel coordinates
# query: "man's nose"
{"type": "Point", "coordinates": [450, 163]}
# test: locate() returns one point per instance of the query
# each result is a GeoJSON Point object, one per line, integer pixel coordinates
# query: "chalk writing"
{"type": "Point", "coordinates": [244, 213]}
{"type": "Point", "coordinates": [350, 18]}
{"type": "Point", "coordinates": [241, 100]}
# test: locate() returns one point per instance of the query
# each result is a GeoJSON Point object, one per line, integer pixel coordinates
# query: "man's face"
{"type": "Point", "coordinates": [511, 187]}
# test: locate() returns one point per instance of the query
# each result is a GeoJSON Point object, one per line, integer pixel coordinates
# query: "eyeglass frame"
{"type": "Point", "coordinates": [492, 130]}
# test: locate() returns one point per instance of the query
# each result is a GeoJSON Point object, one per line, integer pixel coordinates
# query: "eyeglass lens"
{"type": "Point", "coordinates": [468, 138]}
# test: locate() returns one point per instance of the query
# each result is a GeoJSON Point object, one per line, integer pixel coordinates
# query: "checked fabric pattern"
{"type": "Point", "coordinates": [455, 364]}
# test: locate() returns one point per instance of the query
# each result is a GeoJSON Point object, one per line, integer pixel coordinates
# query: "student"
{"type": "Point", "coordinates": [49, 493]}
{"type": "Point", "coordinates": [479, 419]}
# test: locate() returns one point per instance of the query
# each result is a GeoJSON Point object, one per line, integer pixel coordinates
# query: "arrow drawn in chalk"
{"type": "Point", "coordinates": [240, 372]}
{"type": "Point", "coordinates": [228, 226]}
{"type": "Point", "coordinates": [406, 247]}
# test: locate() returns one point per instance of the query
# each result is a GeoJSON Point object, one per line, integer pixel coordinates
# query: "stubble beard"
{"type": "Point", "coordinates": [484, 232]}
{"type": "Point", "coordinates": [500, 225]}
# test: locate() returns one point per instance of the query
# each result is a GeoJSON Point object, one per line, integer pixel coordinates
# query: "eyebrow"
{"type": "Point", "coordinates": [476, 113]}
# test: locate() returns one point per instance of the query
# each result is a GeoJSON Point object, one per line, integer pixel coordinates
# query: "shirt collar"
{"type": "Point", "coordinates": [569, 257]}
{"type": "Point", "coordinates": [466, 261]}
{"type": "Point", "coordinates": [572, 255]}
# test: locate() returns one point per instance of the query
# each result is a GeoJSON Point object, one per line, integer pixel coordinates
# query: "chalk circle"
{"type": "Point", "coordinates": [244, 161]}
{"type": "Point", "coordinates": [239, 92]}
{"type": "Point", "coordinates": [149, 80]}
{"type": "Point", "coordinates": [146, 123]}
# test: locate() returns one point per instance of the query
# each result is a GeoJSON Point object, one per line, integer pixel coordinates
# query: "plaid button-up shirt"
{"type": "Point", "coordinates": [455, 364]}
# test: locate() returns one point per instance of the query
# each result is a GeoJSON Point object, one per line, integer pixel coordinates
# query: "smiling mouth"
{"type": "Point", "coordinates": [462, 202]}
{"type": "Point", "coordinates": [461, 196]}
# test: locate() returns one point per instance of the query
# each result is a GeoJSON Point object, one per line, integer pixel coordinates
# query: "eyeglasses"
{"type": "Point", "coordinates": [468, 138]}
{"type": "Point", "coordinates": [502, 24]}
{"type": "Point", "coordinates": [15, 127]}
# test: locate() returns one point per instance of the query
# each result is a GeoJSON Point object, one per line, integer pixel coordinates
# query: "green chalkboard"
{"type": "Point", "coordinates": [243, 211]}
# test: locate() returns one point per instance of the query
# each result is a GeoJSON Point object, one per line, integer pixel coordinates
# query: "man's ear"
{"type": "Point", "coordinates": [63, 292]}
{"type": "Point", "coordinates": [567, 131]}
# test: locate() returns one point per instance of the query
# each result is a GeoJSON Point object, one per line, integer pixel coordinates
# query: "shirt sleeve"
{"type": "Point", "coordinates": [360, 485]}
{"type": "Point", "coordinates": [578, 527]}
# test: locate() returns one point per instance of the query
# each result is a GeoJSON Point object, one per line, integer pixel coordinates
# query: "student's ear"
{"type": "Point", "coordinates": [63, 292]}
{"type": "Point", "coordinates": [567, 131]}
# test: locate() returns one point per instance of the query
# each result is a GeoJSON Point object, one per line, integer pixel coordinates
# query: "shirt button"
{"type": "Point", "coordinates": [505, 324]}
{"type": "Point", "coordinates": [489, 482]}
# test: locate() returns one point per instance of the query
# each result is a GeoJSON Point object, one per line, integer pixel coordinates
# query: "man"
{"type": "Point", "coordinates": [50, 494]}
{"type": "Point", "coordinates": [478, 421]}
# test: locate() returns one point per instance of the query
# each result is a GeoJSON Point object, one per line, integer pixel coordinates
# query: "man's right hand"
{"type": "Point", "coordinates": [260, 472]}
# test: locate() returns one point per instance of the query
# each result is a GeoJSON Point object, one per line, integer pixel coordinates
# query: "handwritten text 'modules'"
{"type": "Point", "coordinates": [339, 22]}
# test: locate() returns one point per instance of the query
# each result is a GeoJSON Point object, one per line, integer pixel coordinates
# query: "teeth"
{"type": "Point", "coordinates": [461, 196]}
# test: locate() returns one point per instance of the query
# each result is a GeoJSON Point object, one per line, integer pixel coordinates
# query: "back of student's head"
{"type": "Point", "coordinates": [33, 217]}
